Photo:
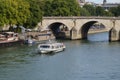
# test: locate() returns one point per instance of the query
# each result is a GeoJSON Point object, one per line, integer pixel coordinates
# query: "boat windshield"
{"type": "Point", "coordinates": [45, 46]}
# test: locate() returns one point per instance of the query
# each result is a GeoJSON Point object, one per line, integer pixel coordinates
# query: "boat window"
{"type": "Point", "coordinates": [45, 46]}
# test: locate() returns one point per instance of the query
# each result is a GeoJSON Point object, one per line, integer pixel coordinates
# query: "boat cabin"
{"type": "Point", "coordinates": [8, 36]}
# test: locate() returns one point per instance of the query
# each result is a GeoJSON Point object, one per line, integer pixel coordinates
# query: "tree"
{"type": "Point", "coordinates": [47, 8]}
{"type": "Point", "coordinates": [84, 12]}
{"type": "Point", "coordinates": [91, 9]}
{"type": "Point", "coordinates": [35, 13]}
{"type": "Point", "coordinates": [74, 7]}
{"type": "Point", "coordinates": [99, 11]}
{"type": "Point", "coordinates": [107, 13]}
{"type": "Point", "coordinates": [113, 10]}
{"type": "Point", "coordinates": [14, 12]}
{"type": "Point", "coordinates": [118, 10]}
{"type": "Point", "coordinates": [61, 8]}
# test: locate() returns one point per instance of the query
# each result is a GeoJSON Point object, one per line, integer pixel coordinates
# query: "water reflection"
{"type": "Point", "coordinates": [99, 37]}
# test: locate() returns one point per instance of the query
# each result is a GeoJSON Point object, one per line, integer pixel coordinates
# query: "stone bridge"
{"type": "Point", "coordinates": [78, 27]}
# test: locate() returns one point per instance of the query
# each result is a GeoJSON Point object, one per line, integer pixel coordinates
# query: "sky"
{"type": "Point", "coordinates": [101, 1]}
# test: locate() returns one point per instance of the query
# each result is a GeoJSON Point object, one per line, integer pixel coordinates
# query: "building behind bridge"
{"type": "Point", "coordinates": [105, 5]}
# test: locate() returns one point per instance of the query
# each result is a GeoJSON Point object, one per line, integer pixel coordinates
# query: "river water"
{"type": "Point", "coordinates": [92, 59]}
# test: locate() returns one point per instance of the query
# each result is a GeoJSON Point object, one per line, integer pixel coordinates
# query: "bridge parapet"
{"type": "Point", "coordinates": [82, 17]}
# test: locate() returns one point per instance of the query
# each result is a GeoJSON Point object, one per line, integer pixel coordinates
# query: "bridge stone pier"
{"type": "Point", "coordinates": [78, 27]}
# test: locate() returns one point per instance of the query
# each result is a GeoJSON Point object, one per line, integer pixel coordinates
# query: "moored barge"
{"type": "Point", "coordinates": [9, 39]}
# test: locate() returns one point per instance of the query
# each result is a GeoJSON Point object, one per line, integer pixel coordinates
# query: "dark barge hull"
{"type": "Point", "coordinates": [7, 44]}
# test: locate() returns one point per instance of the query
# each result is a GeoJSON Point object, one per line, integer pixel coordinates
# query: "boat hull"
{"type": "Point", "coordinates": [51, 51]}
{"type": "Point", "coordinates": [11, 43]}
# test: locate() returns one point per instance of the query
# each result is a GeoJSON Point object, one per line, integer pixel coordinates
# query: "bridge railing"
{"type": "Point", "coordinates": [80, 17]}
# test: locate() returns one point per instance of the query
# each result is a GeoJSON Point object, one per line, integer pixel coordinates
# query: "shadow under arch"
{"type": "Point", "coordinates": [85, 28]}
{"type": "Point", "coordinates": [60, 30]}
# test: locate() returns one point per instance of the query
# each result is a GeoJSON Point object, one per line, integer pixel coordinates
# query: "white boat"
{"type": "Point", "coordinates": [51, 47]}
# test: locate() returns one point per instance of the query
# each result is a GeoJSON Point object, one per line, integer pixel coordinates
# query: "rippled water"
{"type": "Point", "coordinates": [90, 59]}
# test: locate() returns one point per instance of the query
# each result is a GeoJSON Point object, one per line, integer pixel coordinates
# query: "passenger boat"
{"type": "Point", "coordinates": [51, 47]}
{"type": "Point", "coordinates": [8, 38]}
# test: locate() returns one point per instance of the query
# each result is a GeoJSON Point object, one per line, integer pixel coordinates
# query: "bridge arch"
{"type": "Point", "coordinates": [59, 29]}
{"type": "Point", "coordinates": [86, 26]}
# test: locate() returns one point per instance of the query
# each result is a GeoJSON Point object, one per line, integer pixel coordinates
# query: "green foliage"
{"type": "Point", "coordinates": [99, 11]}
{"type": "Point", "coordinates": [118, 10]}
{"type": "Point", "coordinates": [35, 15]}
{"type": "Point", "coordinates": [84, 12]}
{"type": "Point", "coordinates": [113, 10]}
{"type": "Point", "coordinates": [47, 8]}
{"type": "Point", "coordinates": [61, 8]}
{"type": "Point", "coordinates": [74, 7]}
{"type": "Point", "coordinates": [91, 9]}
{"type": "Point", "coordinates": [107, 13]}
{"type": "Point", "coordinates": [13, 12]}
